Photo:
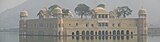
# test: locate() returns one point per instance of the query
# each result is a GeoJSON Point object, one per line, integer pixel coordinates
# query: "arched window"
{"type": "Point", "coordinates": [114, 32]}
{"type": "Point", "coordinates": [72, 33]}
{"type": "Point", "coordinates": [110, 33]}
{"type": "Point", "coordinates": [86, 25]}
{"type": "Point", "coordinates": [118, 32]}
{"type": "Point", "coordinates": [77, 32]}
{"type": "Point", "coordinates": [131, 33]}
{"type": "Point", "coordinates": [127, 32]}
{"type": "Point", "coordinates": [119, 24]}
{"type": "Point", "coordinates": [83, 32]}
{"type": "Point", "coordinates": [76, 24]}
{"type": "Point", "coordinates": [102, 32]}
{"type": "Point", "coordinates": [106, 16]}
{"type": "Point", "coordinates": [106, 24]}
{"type": "Point", "coordinates": [99, 33]}
{"type": "Point", "coordinates": [87, 33]}
{"type": "Point", "coordinates": [95, 33]}
{"type": "Point", "coordinates": [122, 32]}
{"type": "Point", "coordinates": [92, 25]}
{"type": "Point", "coordinates": [106, 32]}
{"type": "Point", "coordinates": [113, 25]}
{"type": "Point", "coordinates": [92, 33]}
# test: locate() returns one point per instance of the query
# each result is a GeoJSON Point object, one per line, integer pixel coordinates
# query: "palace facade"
{"type": "Point", "coordinates": [66, 24]}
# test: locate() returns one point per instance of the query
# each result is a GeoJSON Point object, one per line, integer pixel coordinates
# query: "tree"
{"type": "Point", "coordinates": [66, 12]}
{"type": "Point", "coordinates": [101, 5]}
{"type": "Point", "coordinates": [82, 10]}
{"type": "Point", "coordinates": [123, 11]}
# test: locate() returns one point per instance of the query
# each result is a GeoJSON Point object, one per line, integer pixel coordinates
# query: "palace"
{"type": "Point", "coordinates": [100, 23]}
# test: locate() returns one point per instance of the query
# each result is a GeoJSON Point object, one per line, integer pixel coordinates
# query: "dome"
{"type": "Point", "coordinates": [24, 13]}
{"type": "Point", "coordinates": [70, 13]}
{"type": "Point", "coordinates": [57, 10]}
{"type": "Point", "coordinates": [45, 11]}
{"type": "Point", "coordinates": [100, 10]}
{"type": "Point", "coordinates": [142, 11]}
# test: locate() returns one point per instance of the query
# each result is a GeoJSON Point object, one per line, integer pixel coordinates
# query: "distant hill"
{"type": "Point", "coordinates": [10, 17]}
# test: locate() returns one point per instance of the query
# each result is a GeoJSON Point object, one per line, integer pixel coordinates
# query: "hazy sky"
{"type": "Point", "coordinates": [7, 4]}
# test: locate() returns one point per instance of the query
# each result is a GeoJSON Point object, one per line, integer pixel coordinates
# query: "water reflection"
{"type": "Point", "coordinates": [83, 39]}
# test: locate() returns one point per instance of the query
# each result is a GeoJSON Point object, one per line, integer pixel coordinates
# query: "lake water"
{"type": "Point", "coordinates": [14, 37]}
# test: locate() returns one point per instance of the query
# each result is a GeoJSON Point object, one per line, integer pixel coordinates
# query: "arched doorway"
{"type": "Point", "coordinates": [122, 32]}
{"type": "Point", "coordinates": [114, 32]}
{"type": "Point", "coordinates": [72, 33]}
{"type": "Point", "coordinates": [106, 32]}
{"type": "Point", "coordinates": [131, 33]}
{"type": "Point", "coordinates": [118, 32]}
{"type": "Point", "coordinates": [110, 33]}
{"type": "Point", "coordinates": [102, 32]}
{"type": "Point", "coordinates": [83, 32]}
{"type": "Point", "coordinates": [92, 33]}
{"type": "Point", "coordinates": [87, 32]}
{"type": "Point", "coordinates": [59, 33]}
{"type": "Point", "coordinates": [95, 33]}
{"type": "Point", "coordinates": [77, 32]}
{"type": "Point", "coordinates": [127, 32]}
{"type": "Point", "coordinates": [99, 33]}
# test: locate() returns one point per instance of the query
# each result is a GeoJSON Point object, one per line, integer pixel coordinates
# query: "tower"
{"type": "Point", "coordinates": [142, 25]}
{"type": "Point", "coordinates": [57, 13]}
{"type": "Point", "coordinates": [22, 24]}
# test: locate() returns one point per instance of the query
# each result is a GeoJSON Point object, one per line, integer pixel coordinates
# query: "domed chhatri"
{"type": "Point", "coordinates": [57, 10]}
{"type": "Point", "coordinates": [24, 13]}
{"type": "Point", "coordinates": [100, 10]}
{"type": "Point", "coordinates": [143, 11]}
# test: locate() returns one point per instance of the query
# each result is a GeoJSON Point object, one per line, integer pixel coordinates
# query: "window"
{"type": "Point", "coordinates": [86, 25]}
{"type": "Point", "coordinates": [106, 24]}
{"type": "Point", "coordinates": [129, 24]}
{"type": "Point", "coordinates": [113, 25]}
{"type": "Point", "coordinates": [99, 16]}
{"type": "Point", "coordinates": [76, 24]}
{"type": "Point", "coordinates": [106, 16]}
{"type": "Point", "coordinates": [103, 16]}
{"type": "Point", "coordinates": [102, 24]}
{"type": "Point", "coordinates": [59, 25]}
{"type": "Point", "coordinates": [92, 25]}
{"type": "Point", "coordinates": [69, 24]}
{"type": "Point", "coordinates": [99, 24]}
{"type": "Point", "coordinates": [119, 24]}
